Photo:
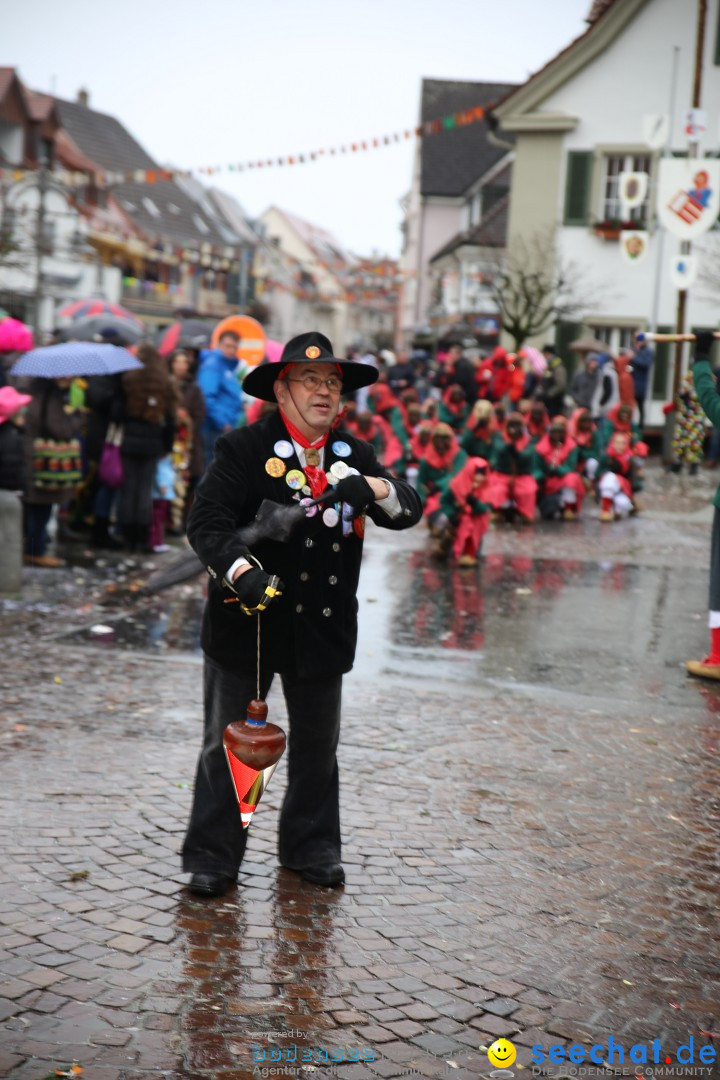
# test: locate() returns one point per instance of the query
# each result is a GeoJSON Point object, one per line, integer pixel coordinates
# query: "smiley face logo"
{"type": "Point", "coordinates": [502, 1053]}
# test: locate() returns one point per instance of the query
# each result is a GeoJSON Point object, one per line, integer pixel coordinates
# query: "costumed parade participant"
{"type": "Point", "coordinates": [619, 419]}
{"type": "Point", "coordinates": [453, 408]}
{"type": "Point", "coordinates": [587, 440]}
{"type": "Point", "coordinates": [443, 458]}
{"type": "Point", "coordinates": [302, 598]}
{"type": "Point", "coordinates": [616, 480]}
{"type": "Point", "coordinates": [466, 506]}
{"type": "Point", "coordinates": [391, 422]}
{"type": "Point", "coordinates": [480, 436]}
{"type": "Point", "coordinates": [366, 426]}
{"type": "Point", "coordinates": [537, 422]}
{"type": "Point", "coordinates": [706, 390]}
{"type": "Point", "coordinates": [513, 482]}
{"type": "Point", "coordinates": [562, 486]}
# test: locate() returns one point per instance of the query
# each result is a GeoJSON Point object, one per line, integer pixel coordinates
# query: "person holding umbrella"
{"type": "Point", "coordinates": [54, 471]}
{"type": "Point", "coordinates": [147, 435]}
{"type": "Point", "coordinates": [309, 630]}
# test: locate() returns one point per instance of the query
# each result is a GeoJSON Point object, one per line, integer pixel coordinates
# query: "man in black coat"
{"type": "Point", "coordinates": [309, 632]}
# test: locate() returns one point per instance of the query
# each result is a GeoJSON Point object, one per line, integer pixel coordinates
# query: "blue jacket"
{"type": "Point", "coordinates": [641, 362]}
{"type": "Point", "coordinates": [221, 390]}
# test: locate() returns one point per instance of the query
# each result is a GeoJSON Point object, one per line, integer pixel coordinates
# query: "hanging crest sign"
{"type": "Point", "coordinates": [632, 188]}
{"type": "Point", "coordinates": [688, 197]}
{"type": "Point", "coordinates": [683, 271]}
{"type": "Point", "coordinates": [634, 245]}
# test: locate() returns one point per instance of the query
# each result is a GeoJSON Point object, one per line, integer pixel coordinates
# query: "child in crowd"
{"type": "Point", "coordinates": [163, 495]}
{"type": "Point", "coordinates": [616, 478]}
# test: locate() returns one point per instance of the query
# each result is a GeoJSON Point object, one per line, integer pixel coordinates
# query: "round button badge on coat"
{"type": "Point", "coordinates": [275, 467]}
{"type": "Point", "coordinates": [295, 479]}
{"type": "Point", "coordinates": [283, 448]}
{"type": "Point", "coordinates": [339, 470]}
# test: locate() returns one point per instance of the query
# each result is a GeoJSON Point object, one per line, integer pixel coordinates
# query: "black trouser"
{"type": "Point", "coordinates": [136, 492]}
{"type": "Point", "coordinates": [640, 402]}
{"type": "Point", "coordinates": [310, 815]}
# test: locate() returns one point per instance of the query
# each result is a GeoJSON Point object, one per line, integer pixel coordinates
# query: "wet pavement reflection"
{"type": "Point", "coordinates": [556, 623]}
{"type": "Point", "coordinates": [530, 831]}
{"type": "Point", "coordinates": [257, 969]}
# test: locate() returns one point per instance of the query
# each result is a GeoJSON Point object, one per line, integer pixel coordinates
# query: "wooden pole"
{"type": "Point", "coordinates": [673, 337]}
{"type": "Point", "coordinates": [692, 153]}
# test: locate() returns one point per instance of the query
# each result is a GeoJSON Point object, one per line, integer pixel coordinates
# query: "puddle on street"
{"type": "Point", "coordinates": [170, 622]}
{"type": "Point", "coordinates": [586, 626]}
{"type": "Point", "coordinates": [593, 627]}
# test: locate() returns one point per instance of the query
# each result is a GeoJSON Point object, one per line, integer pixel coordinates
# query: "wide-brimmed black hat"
{"type": "Point", "coordinates": [300, 350]}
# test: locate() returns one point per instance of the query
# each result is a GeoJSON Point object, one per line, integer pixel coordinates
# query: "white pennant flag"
{"type": "Point", "coordinates": [656, 130]}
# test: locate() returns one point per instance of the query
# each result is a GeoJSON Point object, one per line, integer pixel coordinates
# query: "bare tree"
{"type": "Point", "coordinates": [708, 257]}
{"type": "Point", "coordinates": [533, 287]}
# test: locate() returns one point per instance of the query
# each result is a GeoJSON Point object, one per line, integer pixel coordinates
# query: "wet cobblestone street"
{"type": "Point", "coordinates": [530, 817]}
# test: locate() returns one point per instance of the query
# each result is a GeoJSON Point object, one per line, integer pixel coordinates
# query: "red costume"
{"type": "Point", "coordinates": [560, 461]}
{"type": "Point", "coordinates": [469, 492]}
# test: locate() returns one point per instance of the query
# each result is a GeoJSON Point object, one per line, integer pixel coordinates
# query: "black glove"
{"type": "Point", "coordinates": [255, 590]}
{"type": "Point", "coordinates": [704, 342]}
{"type": "Point", "coordinates": [355, 491]}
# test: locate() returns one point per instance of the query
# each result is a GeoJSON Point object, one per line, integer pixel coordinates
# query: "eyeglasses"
{"type": "Point", "coordinates": [314, 382]}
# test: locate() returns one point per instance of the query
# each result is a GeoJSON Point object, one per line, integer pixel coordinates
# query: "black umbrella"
{"type": "Point", "coordinates": [107, 328]}
{"type": "Point", "coordinates": [273, 521]}
{"type": "Point", "coordinates": [186, 334]}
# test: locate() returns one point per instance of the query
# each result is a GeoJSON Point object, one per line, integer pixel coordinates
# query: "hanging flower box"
{"type": "Point", "coordinates": [611, 229]}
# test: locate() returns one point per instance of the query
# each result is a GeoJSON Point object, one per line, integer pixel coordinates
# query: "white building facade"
{"type": "Point", "coordinates": [578, 124]}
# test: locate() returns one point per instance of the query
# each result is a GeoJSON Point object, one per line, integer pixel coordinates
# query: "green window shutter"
{"type": "Point", "coordinates": [577, 187]}
{"type": "Point", "coordinates": [661, 368]}
{"type": "Point", "coordinates": [716, 58]}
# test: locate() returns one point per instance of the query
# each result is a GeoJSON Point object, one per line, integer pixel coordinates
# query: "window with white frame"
{"type": "Point", "coordinates": [616, 338]}
{"type": "Point", "coordinates": [611, 208]}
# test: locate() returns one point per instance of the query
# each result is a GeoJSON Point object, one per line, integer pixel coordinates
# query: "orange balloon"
{"type": "Point", "coordinates": [252, 337]}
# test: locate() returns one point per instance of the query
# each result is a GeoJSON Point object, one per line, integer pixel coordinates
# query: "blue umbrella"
{"type": "Point", "coordinates": [74, 358]}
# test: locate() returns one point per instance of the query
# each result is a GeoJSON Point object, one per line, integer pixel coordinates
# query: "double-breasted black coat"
{"type": "Point", "coordinates": [311, 630]}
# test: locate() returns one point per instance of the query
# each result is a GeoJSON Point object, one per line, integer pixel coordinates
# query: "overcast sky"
{"type": "Point", "coordinates": [230, 81]}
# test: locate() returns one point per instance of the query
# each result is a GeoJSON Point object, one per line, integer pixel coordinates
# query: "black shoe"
{"type": "Point", "coordinates": [208, 884]}
{"type": "Point", "coordinates": [331, 874]}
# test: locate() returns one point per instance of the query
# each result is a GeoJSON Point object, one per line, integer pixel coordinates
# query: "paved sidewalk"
{"type": "Point", "coordinates": [523, 864]}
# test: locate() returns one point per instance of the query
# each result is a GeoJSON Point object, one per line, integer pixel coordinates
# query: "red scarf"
{"type": "Point", "coordinates": [316, 477]}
